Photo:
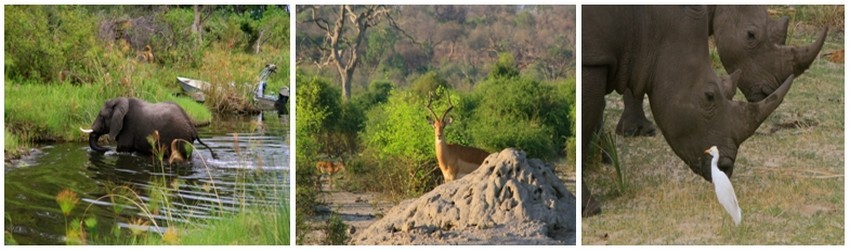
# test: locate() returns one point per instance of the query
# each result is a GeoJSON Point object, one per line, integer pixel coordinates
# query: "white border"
{"type": "Point", "coordinates": [293, 98]}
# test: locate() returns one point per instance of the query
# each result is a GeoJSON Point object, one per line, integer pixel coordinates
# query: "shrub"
{"type": "Point", "coordinates": [427, 83]}
{"type": "Point", "coordinates": [527, 114]}
{"type": "Point", "coordinates": [43, 41]}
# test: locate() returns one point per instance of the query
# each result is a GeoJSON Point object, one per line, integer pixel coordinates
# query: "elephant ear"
{"type": "Point", "coordinates": [120, 107]}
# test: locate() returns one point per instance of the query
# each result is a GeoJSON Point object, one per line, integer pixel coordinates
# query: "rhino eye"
{"type": "Point", "coordinates": [751, 35]}
{"type": "Point", "coordinates": [709, 96]}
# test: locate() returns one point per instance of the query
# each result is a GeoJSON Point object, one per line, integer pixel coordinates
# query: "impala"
{"type": "Point", "coordinates": [455, 161]}
{"type": "Point", "coordinates": [329, 168]}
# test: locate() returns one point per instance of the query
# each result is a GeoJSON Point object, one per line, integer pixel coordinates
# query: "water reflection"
{"type": "Point", "coordinates": [252, 170]}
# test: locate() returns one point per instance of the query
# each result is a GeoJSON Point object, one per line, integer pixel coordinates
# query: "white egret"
{"type": "Point", "coordinates": [723, 187]}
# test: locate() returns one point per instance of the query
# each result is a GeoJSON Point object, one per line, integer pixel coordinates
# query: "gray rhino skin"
{"type": "Point", "coordinates": [662, 51]}
{"type": "Point", "coordinates": [749, 40]}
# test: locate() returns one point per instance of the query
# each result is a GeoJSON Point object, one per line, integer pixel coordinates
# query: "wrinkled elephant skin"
{"type": "Point", "coordinates": [130, 121]}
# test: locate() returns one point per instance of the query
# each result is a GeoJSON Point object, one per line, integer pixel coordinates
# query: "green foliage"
{"type": "Point", "coordinates": [275, 26]}
{"type": "Point", "coordinates": [428, 82]}
{"type": "Point", "coordinates": [378, 93]}
{"type": "Point", "coordinates": [13, 146]}
{"type": "Point", "coordinates": [527, 114]}
{"type": "Point", "coordinates": [505, 67]}
{"type": "Point", "coordinates": [316, 102]}
{"type": "Point", "coordinates": [55, 111]}
{"type": "Point", "coordinates": [399, 129]}
{"type": "Point", "coordinates": [336, 232]}
{"type": "Point", "coordinates": [254, 226]}
{"type": "Point", "coordinates": [61, 108]}
{"type": "Point", "coordinates": [399, 146]}
{"type": "Point", "coordinates": [177, 44]}
{"type": "Point", "coordinates": [42, 41]}
{"type": "Point", "coordinates": [95, 48]}
{"type": "Point", "coordinates": [379, 46]}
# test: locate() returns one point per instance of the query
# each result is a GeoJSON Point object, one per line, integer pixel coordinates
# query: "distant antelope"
{"type": "Point", "coordinates": [329, 168]}
{"type": "Point", "coordinates": [145, 55]}
{"type": "Point", "coordinates": [455, 161]}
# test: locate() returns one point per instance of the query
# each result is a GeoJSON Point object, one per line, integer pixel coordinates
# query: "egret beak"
{"type": "Point", "coordinates": [87, 131]}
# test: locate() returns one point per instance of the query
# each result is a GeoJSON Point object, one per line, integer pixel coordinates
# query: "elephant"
{"type": "Point", "coordinates": [749, 40]}
{"type": "Point", "coordinates": [130, 121]}
{"type": "Point", "coordinates": [662, 51]}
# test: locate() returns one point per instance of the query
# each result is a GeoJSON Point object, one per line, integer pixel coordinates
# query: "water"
{"type": "Point", "coordinates": [252, 169]}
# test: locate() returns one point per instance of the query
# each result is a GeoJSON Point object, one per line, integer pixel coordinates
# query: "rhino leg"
{"type": "Point", "coordinates": [589, 205]}
{"type": "Point", "coordinates": [633, 121]}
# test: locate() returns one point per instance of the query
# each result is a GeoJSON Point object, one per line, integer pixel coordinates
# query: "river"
{"type": "Point", "coordinates": [252, 169]}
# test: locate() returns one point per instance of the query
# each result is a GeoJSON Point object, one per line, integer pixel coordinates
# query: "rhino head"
{"type": "Point", "coordinates": [749, 40]}
{"type": "Point", "coordinates": [705, 116]}
{"type": "Point", "coordinates": [693, 107]}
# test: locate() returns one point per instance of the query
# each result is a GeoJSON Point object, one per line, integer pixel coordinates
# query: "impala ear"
{"type": "Point", "coordinates": [449, 120]}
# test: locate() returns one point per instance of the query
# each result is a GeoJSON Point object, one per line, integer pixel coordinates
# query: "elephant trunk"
{"type": "Point", "coordinates": [803, 56]}
{"type": "Point", "coordinates": [93, 137]}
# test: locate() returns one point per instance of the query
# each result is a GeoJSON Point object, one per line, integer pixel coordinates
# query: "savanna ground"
{"type": "Point", "coordinates": [789, 176]}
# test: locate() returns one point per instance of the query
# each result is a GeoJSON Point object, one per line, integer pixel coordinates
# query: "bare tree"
{"type": "Point", "coordinates": [198, 22]}
{"type": "Point", "coordinates": [345, 29]}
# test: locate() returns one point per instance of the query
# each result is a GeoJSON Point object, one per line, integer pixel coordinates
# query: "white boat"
{"type": "Point", "coordinates": [194, 88]}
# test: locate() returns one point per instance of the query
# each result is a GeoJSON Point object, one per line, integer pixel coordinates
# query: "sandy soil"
{"type": "Point", "coordinates": [358, 210]}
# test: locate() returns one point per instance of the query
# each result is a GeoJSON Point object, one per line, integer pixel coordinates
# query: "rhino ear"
{"type": "Point", "coordinates": [120, 106]}
{"type": "Point", "coordinates": [779, 30]}
{"type": "Point", "coordinates": [729, 84]}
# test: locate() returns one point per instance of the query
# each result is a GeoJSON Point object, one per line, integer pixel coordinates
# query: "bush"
{"type": "Point", "coordinates": [427, 83]}
{"type": "Point", "coordinates": [527, 114]}
{"type": "Point", "coordinates": [316, 103]}
{"type": "Point", "coordinates": [336, 231]}
{"type": "Point", "coordinates": [43, 41]}
{"type": "Point", "coordinates": [378, 93]}
{"type": "Point", "coordinates": [399, 144]}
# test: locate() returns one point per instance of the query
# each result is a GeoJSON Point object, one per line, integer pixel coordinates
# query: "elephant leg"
{"type": "Point", "coordinates": [593, 104]}
{"type": "Point", "coordinates": [633, 121]}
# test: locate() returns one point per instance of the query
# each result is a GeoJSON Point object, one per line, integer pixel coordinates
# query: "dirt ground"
{"type": "Point", "coordinates": [357, 210]}
{"type": "Point", "coordinates": [360, 209]}
{"type": "Point", "coordinates": [789, 178]}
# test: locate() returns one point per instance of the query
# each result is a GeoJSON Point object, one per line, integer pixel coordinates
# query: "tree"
{"type": "Point", "coordinates": [344, 30]}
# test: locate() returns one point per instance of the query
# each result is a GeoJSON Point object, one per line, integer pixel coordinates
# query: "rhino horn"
{"type": "Point", "coordinates": [759, 111]}
{"type": "Point", "coordinates": [803, 56]}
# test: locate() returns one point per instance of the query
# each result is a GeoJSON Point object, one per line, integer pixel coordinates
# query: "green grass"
{"type": "Point", "coordinates": [38, 111]}
{"type": "Point", "coordinates": [789, 182]}
{"type": "Point", "coordinates": [12, 145]}
{"type": "Point", "coordinates": [53, 112]}
{"type": "Point", "coordinates": [254, 226]}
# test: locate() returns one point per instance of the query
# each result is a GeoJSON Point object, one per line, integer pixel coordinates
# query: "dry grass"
{"type": "Point", "coordinates": [789, 178]}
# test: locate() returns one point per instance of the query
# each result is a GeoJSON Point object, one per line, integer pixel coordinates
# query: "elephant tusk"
{"type": "Point", "coordinates": [87, 131]}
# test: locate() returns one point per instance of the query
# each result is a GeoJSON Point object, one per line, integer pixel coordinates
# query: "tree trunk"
{"type": "Point", "coordinates": [196, 26]}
